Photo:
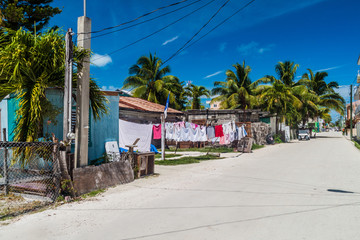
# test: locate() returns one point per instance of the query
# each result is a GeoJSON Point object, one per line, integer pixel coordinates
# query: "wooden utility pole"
{"type": "Point", "coordinates": [68, 87]}
{"type": "Point", "coordinates": [351, 125]}
{"type": "Point", "coordinates": [83, 94]}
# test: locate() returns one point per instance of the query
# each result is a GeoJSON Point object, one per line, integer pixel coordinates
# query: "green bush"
{"type": "Point", "coordinates": [277, 138]}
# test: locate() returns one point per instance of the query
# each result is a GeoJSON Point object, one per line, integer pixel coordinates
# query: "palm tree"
{"type": "Point", "coordinates": [236, 91]}
{"type": "Point", "coordinates": [328, 97]}
{"type": "Point", "coordinates": [286, 72]}
{"type": "Point", "coordinates": [150, 82]}
{"type": "Point", "coordinates": [278, 98]}
{"type": "Point", "coordinates": [195, 93]}
{"type": "Point", "coordinates": [29, 65]}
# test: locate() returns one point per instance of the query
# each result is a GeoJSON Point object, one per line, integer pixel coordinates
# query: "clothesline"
{"type": "Point", "coordinates": [223, 133]}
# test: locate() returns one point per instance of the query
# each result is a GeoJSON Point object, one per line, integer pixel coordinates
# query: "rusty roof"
{"type": "Point", "coordinates": [141, 104]}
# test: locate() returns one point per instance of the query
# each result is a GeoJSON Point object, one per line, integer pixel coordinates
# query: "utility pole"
{"type": "Point", "coordinates": [351, 112]}
{"type": "Point", "coordinates": [162, 136]}
{"type": "Point", "coordinates": [67, 136]}
{"type": "Point", "coordinates": [83, 94]}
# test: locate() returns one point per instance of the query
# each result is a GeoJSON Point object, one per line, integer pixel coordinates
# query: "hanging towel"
{"type": "Point", "coordinates": [203, 137]}
{"type": "Point", "coordinates": [210, 131]}
{"type": "Point", "coordinates": [219, 131]}
{"type": "Point", "coordinates": [129, 132]}
{"type": "Point", "coordinates": [157, 131]}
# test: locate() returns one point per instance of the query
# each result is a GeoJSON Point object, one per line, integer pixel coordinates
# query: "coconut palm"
{"type": "Point", "coordinates": [29, 65]}
{"type": "Point", "coordinates": [195, 93]}
{"type": "Point", "coordinates": [328, 97]}
{"type": "Point", "coordinates": [150, 82]}
{"type": "Point", "coordinates": [278, 98]}
{"type": "Point", "coordinates": [236, 91]}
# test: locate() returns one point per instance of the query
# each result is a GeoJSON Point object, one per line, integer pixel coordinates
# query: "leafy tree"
{"type": "Point", "coordinates": [195, 93]}
{"type": "Point", "coordinates": [236, 91]}
{"type": "Point", "coordinates": [286, 72]}
{"type": "Point", "coordinates": [29, 65]}
{"type": "Point", "coordinates": [150, 82]}
{"type": "Point", "coordinates": [278, 98]}
{"type": "Point", "coordinates": [328, 97]}
{"type": "Point", "coordinates": [16, 14]}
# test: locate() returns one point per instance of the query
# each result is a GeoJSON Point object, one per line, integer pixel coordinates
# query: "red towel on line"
{"type": "Point", "coordinates": [157, 131]}
{"type": "Point", "coordinates": [219, 131]}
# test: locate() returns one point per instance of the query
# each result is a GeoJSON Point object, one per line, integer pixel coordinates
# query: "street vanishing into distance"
{"type": "Point", "coordinates": [297, 190]}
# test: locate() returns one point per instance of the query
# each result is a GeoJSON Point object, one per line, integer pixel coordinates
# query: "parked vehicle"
{"type": "Point", "coordinates": [304, 134]}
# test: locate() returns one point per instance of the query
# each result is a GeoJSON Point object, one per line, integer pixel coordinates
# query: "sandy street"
{"type": "Point", "coordinates": [300, 190]}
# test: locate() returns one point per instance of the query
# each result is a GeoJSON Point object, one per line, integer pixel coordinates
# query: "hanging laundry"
{"type": "Point", "coordinates": [157, 131]}
{"type": "Point", "coordinates": [203, 137]}
{"type": "Point", "coordinates": [129, 132]}
{"type": "Point", "coordinates": [169, 129]}
{"type": "Point", "coordinates": [210, 131]}
{"type": "Point", "coordinates": [219, 131]}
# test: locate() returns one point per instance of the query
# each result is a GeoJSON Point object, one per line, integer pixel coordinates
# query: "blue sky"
{"type": "Point", "coordinates": [322, 35]}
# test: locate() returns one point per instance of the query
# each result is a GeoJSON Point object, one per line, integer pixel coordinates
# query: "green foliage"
{"type": "Point", "coordinates": [195, 93]}
{"type": "Point", "coordinates": [101, 160]}
{"type": "Point", "coordinates": [16, 14]}
{"type": "Point", "coordinates": [31, 64]}
{"type": "Point", "coordinates": [256, 146]}
{"type": "Point", "coordinates": [167, 155]}
{"type": "Point", "coordinates": [150, 82]}
{"type": "Point", "coordinates": [277, 138]}
{"type": "Point", "coordinates": [93, 193]}
{"type": "Point", "coordinates": [236, 91]}
{"type": "Point", "coordinates": [187, 160]}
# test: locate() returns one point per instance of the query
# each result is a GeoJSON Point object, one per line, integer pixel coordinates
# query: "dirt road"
{"type": "Point", "coordinates": [300, 190]}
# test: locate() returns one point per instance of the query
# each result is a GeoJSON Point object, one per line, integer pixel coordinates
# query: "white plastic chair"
{"type": "Point", "coordinates": [112, 151]}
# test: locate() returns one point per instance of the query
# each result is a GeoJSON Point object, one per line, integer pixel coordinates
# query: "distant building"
{"type": "Point", "coordinates": [215, 105]}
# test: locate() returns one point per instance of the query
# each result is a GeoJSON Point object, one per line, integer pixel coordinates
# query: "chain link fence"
{"type": "Point", "coordinates": [30, 168]}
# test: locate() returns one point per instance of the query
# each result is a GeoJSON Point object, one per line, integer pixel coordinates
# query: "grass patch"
{"type": "Point", "coordinates": [167, 155]}
{"type": "Point", "coordinates": [93, 193]}
{"type": "Point", "coordinates": [186, 160]}
{"type": "Point", "coordinates": [256, 146]}
{"type": "Point", "coordinates": [206, 149]}
{"type": "Point", "coordinates": [357, 145]}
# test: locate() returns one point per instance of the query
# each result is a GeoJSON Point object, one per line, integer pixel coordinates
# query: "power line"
{"type": "Point", "coordinates": [157, 31]}
{"type": "Point", "coordinates": [135, 19]}
{"type": "Point", "coordinates": [145, 21]}
{"type": "Point", "coordinates": [211, 18]}
{"type": "Point", "coordinates": [222, 22]}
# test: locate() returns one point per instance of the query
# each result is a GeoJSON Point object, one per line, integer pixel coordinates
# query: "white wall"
{"type": "Point", "coordinates": [3, 118]}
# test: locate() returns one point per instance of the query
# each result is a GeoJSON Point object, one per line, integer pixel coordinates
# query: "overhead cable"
{"type": "Point", "coordinates": [145, 21]}
{"type": "Point", "coordinates": [211, 18]}
{"type": "Point", "coordinates": [157, 31]}
{"type": "Point", "coordinates": [135, 19]}
{"type": "Point", "coordinates": [222, 22]}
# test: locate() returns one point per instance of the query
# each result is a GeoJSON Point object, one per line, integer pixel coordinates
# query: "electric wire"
{"type": "Point", "coordinates": [211, 18]}
{"type": "Point", "coordinates": [135, 19]}
{"type": "Point", "coordinates": [145, 21]}
{"type": "Point", "coordinates": [157, 31]}
{"type": "Point", "coordinates": [222, 22]}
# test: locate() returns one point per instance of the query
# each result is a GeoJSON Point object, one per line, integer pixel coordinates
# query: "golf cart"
{"type": "Point", "coordinates": [304, 134]}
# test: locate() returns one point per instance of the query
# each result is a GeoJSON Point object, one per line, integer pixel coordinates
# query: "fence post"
{"type": "Point", "coordinates": [6, 186]}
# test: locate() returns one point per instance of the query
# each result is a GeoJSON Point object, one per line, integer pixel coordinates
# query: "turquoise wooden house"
{"type": "Point", "coordinates": [101, 131]}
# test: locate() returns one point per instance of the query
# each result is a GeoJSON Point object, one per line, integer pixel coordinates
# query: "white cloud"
{"type": "Point", "coordinates": [214, 74]}
{"type": "Point", "coordinates": [170, 40]}
{"type": "Point", "coordinates": [100, 60]}
{"type": "Point", "coordinates": [109, 88]}
{"type": "Point", "coordinates": [328, 69]}
{"type": "Point", "coordinates": [222, 47]}
{"type": "Point", "coordinates": [253, 48]}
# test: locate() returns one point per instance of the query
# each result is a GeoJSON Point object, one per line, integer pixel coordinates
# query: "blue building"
{"type": "Point", "coordinates": [100, 131]}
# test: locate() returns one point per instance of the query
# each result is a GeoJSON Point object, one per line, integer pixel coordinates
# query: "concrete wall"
{"type": "Point", "coordinates": [90, 178]}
